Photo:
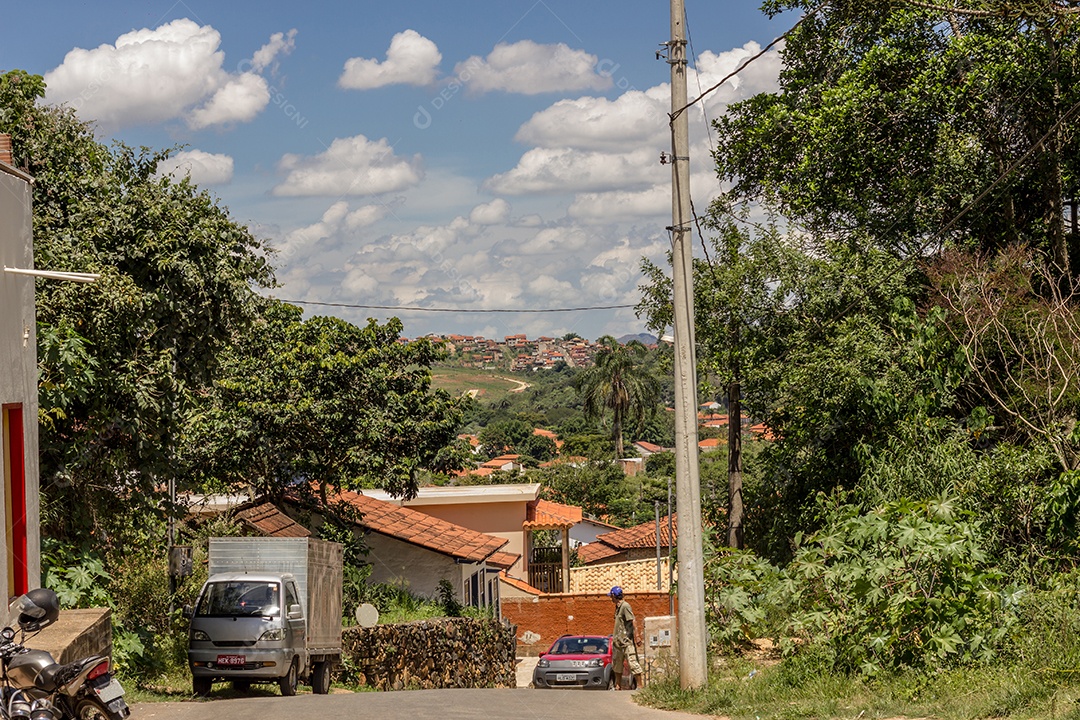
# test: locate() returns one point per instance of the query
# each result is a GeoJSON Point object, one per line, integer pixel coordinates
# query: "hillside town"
{"type": "Point", "coordinates": [518, 353]}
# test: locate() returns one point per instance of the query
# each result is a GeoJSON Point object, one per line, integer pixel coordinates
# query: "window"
{"type": "Point", "coordinates": [239, 598]}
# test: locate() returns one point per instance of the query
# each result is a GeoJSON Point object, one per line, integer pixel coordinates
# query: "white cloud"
{"type": "Point", "coordinates": [493, 213]}
{"type": "Point", "coordinates": [411, 59]}
{"type": "Point", "coordinates": [151, 76]}
{"type": "Point", "coordinates": [202, 167]}
{"type": "Point", "coordinates": [279, 43]}
{"type": "Point", "coordinates": [596, 123]}
{"type": "Point", "coordinates": [350, 166]}
{"type": "Point", "coordinates": [561, 170]}
{"type": "Point", "coordinates": [530, 68]}
{"type": "Point", "coordinates": [239, 100]}
{"type": "Point", "coordinates": [622, 204]}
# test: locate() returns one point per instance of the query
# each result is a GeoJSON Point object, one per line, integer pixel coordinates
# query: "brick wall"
{"type": "Point", "coordinates": [540, 620]}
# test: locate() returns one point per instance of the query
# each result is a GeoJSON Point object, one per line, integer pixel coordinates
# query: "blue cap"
{"type": "Point", "coordinates": [616, 592]}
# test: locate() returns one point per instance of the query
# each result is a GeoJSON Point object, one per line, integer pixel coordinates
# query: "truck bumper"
{"type": "Point", "coordinates": [257, 663]}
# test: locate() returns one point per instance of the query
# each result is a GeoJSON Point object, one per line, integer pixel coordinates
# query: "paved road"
{"type": "Point", "coordinates": [518, 704]}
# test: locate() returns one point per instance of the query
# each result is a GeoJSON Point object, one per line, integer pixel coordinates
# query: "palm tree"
{"type": "Point", "coordinates": [620, 383]}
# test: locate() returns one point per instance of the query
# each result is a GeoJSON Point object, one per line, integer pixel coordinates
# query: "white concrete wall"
{"type": "Point", "coordinates": [420, 570]}
{"type": "Point", "coordinates": [18, 355]}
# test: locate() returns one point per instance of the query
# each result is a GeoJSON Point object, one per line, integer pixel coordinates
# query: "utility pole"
{"type": "Point", "coordinates": [693, 669]}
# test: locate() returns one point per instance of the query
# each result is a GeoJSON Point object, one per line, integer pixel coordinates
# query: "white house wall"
{"type": "Point", "coordinates": [418, 569]}
{"type": "Point", "coordinates": [18, 358]}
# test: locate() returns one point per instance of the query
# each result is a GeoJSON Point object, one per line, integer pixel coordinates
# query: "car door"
{"type": "Point", "coordinates": [296, 624]}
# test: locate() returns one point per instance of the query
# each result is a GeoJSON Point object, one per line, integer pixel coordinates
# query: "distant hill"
{"type": "Point", "coordinates": [643, 338]}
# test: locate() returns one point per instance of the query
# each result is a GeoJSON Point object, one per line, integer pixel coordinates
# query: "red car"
{"type": "Point", "coordinates": [576, 661]}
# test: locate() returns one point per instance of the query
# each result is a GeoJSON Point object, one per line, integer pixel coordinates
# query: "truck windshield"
{"type": "Point", "coordinates": [239, 598]}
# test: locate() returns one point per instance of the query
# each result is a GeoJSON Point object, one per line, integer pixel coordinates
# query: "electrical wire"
{"type": "Point", "coordinates": [404, 308]}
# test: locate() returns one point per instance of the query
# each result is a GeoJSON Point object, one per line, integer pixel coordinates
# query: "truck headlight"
{"type": "Point", "coordinates": [278, 634]}
{"type": "Point", "coordinates": [199, 635]}
{"type": "Point", "coordinates": [543, 662]}
{"type": "Point", "coordinates": [595, 662]}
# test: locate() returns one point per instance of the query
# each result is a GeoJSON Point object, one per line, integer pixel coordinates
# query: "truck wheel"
{"type": "Point", "coordinates": [202, 686]}
{"type": "Point", "coordinates": [320, 678]}
{"type": "Point", "coordinates": [288, 682]}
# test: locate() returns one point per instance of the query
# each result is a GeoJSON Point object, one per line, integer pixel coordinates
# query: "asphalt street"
{"type": "Point", "coordinates": [516, 704]}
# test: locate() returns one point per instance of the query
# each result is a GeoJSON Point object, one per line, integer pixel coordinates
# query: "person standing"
{"type": "Point", "coordinates": [624, 638]}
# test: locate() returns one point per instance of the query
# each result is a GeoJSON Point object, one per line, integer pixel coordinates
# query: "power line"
{"type": "Point", "coordinates": [404, 308]}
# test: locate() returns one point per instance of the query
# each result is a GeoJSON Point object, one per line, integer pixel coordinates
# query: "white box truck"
{"type": "Point", "coordinates": [270, 612]}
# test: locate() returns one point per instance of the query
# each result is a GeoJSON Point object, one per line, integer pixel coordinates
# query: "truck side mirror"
{"type": "Point", "coordinates": [187, 611]}
{"type": "Point", "coordinates": [294, 612]}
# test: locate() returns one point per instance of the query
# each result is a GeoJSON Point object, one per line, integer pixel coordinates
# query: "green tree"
{"type": "Point", "coordinates": [620, 384]}
{"type": "Point", "coordinates": [123, 359]}
{"type": "Point", "coordinates": [910, 125]}
{"type": "Point", "coordinates": [324, 401]}
{"type": "Point", "coordinates": [504, 437]}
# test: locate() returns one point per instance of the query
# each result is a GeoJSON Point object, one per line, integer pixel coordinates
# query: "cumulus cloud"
{"type": "Point", "coordinates": [560, 170]}
{"type": "Point", "coordinates": [154, 75]}
{"type": "Point", "coordinates": [493, 213]}
{"type": "Point", "coordinates": [596, 123]}
{"type": "Point", "coordinates": [412, 59]}
{"type": "Point", "coordinates": [350, 166]}
{"type": "Point", "coordinates": [621, 205]}
{"type": "Point", "coordinates": [202, 167]}
{"type": "Point", "coordinates": [239, 100]}
{"type": "Point", "coordinates": [530, 68]}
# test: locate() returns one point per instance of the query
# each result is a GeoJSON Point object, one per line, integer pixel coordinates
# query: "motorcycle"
{"type": "Point", "coordinates": [33, 686]}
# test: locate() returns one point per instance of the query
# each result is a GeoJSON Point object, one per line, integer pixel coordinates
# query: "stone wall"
{"type": "Point", "coordinates": [540, 620]}
{"type": "Point", "coordinates": [439, 653]}
{"type": "Point", "coordinates": [632, 576]}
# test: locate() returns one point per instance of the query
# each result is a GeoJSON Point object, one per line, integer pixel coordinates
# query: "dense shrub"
{"type": "Point", "coordinates": [906, 585]}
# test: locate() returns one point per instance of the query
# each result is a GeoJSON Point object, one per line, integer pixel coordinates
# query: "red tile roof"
{"type": "Point", "coordinates": [504, 560]}
{"type": "Point", "coordinates": [548, 515]}
{"type": "Point", "coordinates": [649, 447]}
{"type": "Point", "coordinates": [413, 526]}
{"type": "Point", "coordinates": [640, 536]}
{"type": "Point", "coordinates": [596, 551]}
{"type": "Point", "coordinates": [268, 520]}
{"type": "Point", "coordinates": [520, 584]}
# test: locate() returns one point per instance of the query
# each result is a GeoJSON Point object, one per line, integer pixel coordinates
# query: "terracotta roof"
{"type": "Point", "coordinates": [413, 526]}
{"type": "Point", "coordinates": [596, 551]}
{"type": "Point", "coordinates": [639, 536]}
{"type": "Point", "coordinates": [709, 443]}
{"type": "Point", "coordinates": [545, 433]}
{"type": "Point", "coordinates": [504, 560]}
{"type": "Point", "coordinates": [547, 515]}
{"type": "Point", "coordinates": [520, 584]}
{"type": "Point", "coordinates": [268, 520]}
{"type": "Point", "coordinates": [649, 447]}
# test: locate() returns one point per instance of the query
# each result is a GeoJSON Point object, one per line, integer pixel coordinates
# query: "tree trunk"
{"type": "Point", "coordinates": [735, 499]}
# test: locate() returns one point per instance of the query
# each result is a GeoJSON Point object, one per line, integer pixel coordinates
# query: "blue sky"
{"type": "Point", "coordinates": [478, 155]}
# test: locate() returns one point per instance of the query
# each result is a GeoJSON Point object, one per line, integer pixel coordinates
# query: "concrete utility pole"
{"type": "Point", "coordinates": [692, 636]}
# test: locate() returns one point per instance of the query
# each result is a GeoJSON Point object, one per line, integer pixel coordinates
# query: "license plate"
{"type": "Point", "coordinates": [111, 691]}
{"type": "Point", "coordinates": [231, 660]}
{"type": "Point", "coordinates": [566, 678]}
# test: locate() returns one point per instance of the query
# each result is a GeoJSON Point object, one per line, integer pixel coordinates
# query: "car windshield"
{"type": "Point", "coordinates": [579, 646]}
{"type": "Point", "coordinates": [239, 598]}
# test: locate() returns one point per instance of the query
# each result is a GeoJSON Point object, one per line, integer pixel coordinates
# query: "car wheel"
{"type": "Point", "coordinates": [289, 681]}
{"type": "Point", "coordinates": [320, 678]}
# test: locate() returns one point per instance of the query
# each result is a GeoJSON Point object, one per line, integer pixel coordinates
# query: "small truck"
{"type": "Point", "coordinates": [270, 612]}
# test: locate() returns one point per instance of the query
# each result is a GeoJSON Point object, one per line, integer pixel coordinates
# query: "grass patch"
{"type": "Point", "coordinates": [458, 380]}
{"type": "Point", "coordinates": [1009, 691]}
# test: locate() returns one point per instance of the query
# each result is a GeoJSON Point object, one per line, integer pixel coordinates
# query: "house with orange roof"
{"type": "Point", "coordinates": [709, 444]}
{"type": "Point", "coordinates": [406, 547]}
{"type": "Point", "coordinates": [635, 543]}
{"type": "Point", "coordinates": [517, 514]}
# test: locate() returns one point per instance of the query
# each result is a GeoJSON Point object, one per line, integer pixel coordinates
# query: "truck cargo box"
{"type": "Point", "coordinates": [316, 565]}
